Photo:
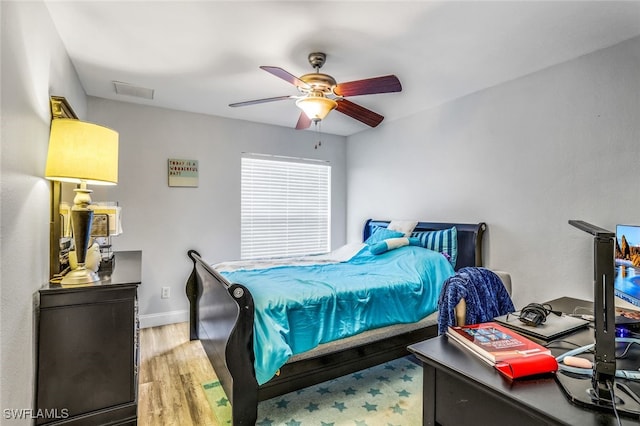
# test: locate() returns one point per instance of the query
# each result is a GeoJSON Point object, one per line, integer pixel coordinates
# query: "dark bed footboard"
{"type": "Point", "coordinates": [221, 317]}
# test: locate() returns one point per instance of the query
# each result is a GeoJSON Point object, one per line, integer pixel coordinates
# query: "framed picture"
{"type": "Point", "coordinates": [183, 172]}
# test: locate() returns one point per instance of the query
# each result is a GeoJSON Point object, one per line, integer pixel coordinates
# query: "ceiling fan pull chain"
{"type": "Point", "coordinates": [317, 124]}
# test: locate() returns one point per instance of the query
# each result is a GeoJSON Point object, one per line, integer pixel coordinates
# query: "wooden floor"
{"type": "Point", "coordinates": [172, 370]}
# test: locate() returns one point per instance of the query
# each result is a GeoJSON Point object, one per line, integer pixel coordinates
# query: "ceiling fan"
{"type": "Point", "coordinates": [320, 93]}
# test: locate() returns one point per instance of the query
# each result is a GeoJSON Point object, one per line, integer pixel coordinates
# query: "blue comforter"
{"type": "Point", "coordinates": [299, 307]}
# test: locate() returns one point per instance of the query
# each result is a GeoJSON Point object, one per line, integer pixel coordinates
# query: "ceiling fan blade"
{"type": "Point", "coordinates": [260, 101]}
{"type": "Point", "coordinates": [369, 86]}
{"type": "Point", "coordinates": [358, 112]}
{"type": "Point", "coordinates": [303, 122]}
{"type": "Point", "coordinates": [286, 76]}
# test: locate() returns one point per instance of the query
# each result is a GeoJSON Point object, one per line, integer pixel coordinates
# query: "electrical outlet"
{"type": "Point", "coordinates": [166, 292]}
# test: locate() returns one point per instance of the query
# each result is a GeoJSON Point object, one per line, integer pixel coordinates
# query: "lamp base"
{"type": "Point", "coordinates": [79, 276]}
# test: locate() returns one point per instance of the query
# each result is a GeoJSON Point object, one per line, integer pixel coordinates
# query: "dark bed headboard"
{"type": "Point", "coordinates": [469, 238]}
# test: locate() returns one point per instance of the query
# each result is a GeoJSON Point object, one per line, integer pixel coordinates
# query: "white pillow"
{"type": "Point", "coordinates": [404, 226]}
{"type": "Point", "coordinates": [388, 244]}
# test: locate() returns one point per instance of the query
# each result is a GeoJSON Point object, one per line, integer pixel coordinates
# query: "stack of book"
{"type": "Point", "coordinates": [511, 354]}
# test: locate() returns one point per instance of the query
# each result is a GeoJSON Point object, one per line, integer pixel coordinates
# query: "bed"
{"type": "Point", "coordinates": [223, 318]}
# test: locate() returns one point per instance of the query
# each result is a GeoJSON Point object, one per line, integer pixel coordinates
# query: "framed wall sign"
{"type": "Point", "coordinates": [183, 172]}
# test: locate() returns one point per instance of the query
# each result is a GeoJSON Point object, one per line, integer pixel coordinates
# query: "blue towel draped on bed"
{"type": "Point", "coordinates": [483, 291]}
{"type": "Point", "coordinates": [300, 307]}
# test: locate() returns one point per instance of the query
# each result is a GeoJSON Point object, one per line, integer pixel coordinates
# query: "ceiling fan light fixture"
{"type": "Point", "coordinates": [321, 94]}
{"type": "Point", "coordinates": [316, 107]}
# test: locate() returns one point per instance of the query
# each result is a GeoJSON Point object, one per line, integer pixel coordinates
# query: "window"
{"type": "Point", "coordinates": [285, 207]}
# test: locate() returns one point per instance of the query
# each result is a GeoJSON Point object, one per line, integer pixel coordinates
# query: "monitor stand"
{"type": "Point", "coordinates": [579, 390]}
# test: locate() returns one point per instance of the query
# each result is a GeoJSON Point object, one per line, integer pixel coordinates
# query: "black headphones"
{"type": "Point", "coordinates": [535, 314]}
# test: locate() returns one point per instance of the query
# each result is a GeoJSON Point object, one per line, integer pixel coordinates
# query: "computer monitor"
{"type": "Point", "coordinates": [600, 392]}
{"type": "Point", "coordinates": [627, 265]}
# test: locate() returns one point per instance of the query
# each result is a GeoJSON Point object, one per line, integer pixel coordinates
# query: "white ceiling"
{"type": "Point", "coordinates": [199, 56]}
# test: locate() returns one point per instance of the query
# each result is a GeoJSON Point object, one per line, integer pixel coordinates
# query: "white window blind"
{"type": "Point", "coordinates": [285, 207]}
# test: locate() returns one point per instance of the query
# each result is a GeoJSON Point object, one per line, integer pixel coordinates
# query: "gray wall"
{"type": "Point", "coordinates": [525, 157]}
{"type": "Point", "coordinates": [34, 66]}
{"type": "Point", "coordinates": [164, 222]}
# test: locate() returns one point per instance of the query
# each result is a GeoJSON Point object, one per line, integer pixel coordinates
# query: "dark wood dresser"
{"type": "Point", "coordinates": [87, 349]}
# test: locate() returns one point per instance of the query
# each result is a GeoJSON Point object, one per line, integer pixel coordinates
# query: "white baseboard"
{"type": "Point", "coordinates": [163, 318]}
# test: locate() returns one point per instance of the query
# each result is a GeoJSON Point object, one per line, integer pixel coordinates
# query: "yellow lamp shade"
{"type": "Point", "coordinates": [82, 152]}
{"type": "Point", "coordinates": [316, 107]}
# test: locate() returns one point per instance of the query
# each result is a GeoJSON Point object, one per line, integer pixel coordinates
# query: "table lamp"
{"type": "Point", "coordinates": [82, 153]}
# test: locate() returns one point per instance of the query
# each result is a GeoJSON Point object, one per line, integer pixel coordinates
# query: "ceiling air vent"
{"type": "Point", "coordinates": [131, 90]}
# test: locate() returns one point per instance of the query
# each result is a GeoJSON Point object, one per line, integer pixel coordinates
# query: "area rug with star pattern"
{"type": "Point", "coordinates": [389, 394]}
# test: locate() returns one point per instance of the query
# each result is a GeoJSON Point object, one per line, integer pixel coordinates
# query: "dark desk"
{"type": "Point", "coordinates": [459, 389]}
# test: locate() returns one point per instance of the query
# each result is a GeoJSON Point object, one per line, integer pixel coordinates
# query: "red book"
{"type": "Point", "coordinates": [509, 352]}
